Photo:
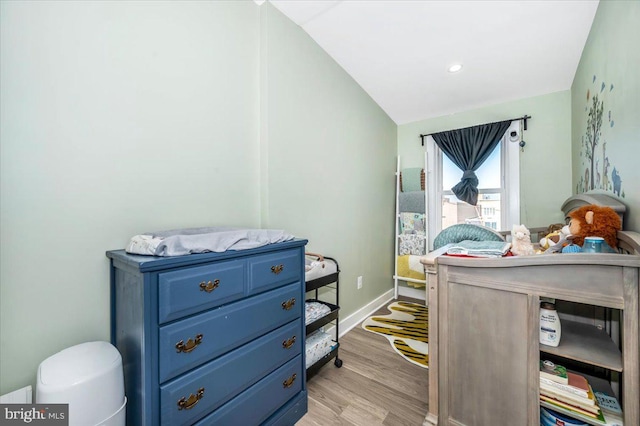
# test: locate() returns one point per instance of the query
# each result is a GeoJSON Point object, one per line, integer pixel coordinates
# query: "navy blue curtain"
{"type": "Point", "coordinates": [468, 148]}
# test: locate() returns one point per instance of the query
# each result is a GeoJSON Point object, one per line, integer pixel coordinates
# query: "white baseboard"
{"type": "Point", "coordinates": [20, 396]}
{"type": "Point", "coordinates": [358, 316]}
{"type": "Point", "coordinates": [347, 323]}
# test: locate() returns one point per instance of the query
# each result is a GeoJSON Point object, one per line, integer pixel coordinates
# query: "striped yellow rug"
{"type": "Point", "coordinates": [406, 330]}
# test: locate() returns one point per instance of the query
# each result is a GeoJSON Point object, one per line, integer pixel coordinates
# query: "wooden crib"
{"type": "Point", "coordinates": [484, 349]}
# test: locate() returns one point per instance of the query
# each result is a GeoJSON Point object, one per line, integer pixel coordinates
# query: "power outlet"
{"type": "Point", "coordinates": [359, 282]}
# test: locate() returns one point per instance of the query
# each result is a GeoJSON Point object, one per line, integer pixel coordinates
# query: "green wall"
{"type": "Point", "coordinates": [118, 118]}
{"type": "Point", "coordinates": [545, 171]}
{"type": "Point", "coordinates": [608, 74]}
{"type": "Point", "coordinates": [329, 168]}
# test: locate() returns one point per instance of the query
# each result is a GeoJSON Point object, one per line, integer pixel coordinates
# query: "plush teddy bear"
{"type": "Point", "coordinates": [594, 221]}
{"type": "Point", "coordinates": [555, 240]}
{"type": "Point", "coordinates": [521, 241]}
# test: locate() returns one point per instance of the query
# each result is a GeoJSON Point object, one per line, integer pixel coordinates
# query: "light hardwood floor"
{"type": "Point", "coordinates": [375, 386]}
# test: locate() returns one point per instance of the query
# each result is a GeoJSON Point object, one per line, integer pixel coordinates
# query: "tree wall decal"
{"type": "Point", "coordinates": [594, 130]}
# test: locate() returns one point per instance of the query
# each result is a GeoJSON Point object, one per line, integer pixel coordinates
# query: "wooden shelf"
{"type": "Point", "coordinates": [588, 344]}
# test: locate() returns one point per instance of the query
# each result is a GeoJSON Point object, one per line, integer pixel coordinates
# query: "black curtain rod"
{"type": "Point", "coordinates": [524, 118]}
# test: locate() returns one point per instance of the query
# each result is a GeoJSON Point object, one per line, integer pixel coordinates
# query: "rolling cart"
{"type": "Point", "coordinates": [323, 272]}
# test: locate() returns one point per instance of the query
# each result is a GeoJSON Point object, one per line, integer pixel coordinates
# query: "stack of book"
{"type": "Point", "coordinates": [567, 390]}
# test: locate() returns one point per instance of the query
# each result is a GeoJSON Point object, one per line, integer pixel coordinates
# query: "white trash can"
{"type": "Point", "coordinates": [90, 379]}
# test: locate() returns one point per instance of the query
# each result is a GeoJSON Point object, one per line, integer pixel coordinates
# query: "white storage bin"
{"type": "Point", "coordinates": [90, 379]}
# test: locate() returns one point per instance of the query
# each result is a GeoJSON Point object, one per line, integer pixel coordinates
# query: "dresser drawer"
{"type": "Point", "coordinates": [274, 270]}
{"type": "Point", "coordinates": [227, 376]}
{"type": "Point", "coordinates": [221, 330]}
{"type": "Point", "coordinates": [257, 403]}
{"type": "Point", "coordinates": [191, 290]}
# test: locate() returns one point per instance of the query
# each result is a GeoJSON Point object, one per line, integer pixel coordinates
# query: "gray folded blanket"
{"type": "Point", "coordinates": [480, 248]}
{"type": "Point", "coordinates": [179, 242]}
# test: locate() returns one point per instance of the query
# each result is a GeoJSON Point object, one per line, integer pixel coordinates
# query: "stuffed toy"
{"type": "Point", "coordinates": [555, 227]}
{"type": "Point", "coordinates": [521, 241]}
{"type": "Point", "coordinates": [555, 240]}
{"type": "Point", "coordinates": [594, 221]}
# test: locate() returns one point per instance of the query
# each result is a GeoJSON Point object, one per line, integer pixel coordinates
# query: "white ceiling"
{"type": "Point", "coordinates": [399, 51]}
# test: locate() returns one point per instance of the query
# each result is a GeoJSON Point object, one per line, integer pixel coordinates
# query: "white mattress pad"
{"type": "Point", "coordinates": [318, 268]}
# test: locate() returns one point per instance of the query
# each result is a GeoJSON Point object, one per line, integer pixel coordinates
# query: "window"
{"type": "Point", "coordinates": [488, 211]}
{"type": "Point", "coordinates": [498, 189]}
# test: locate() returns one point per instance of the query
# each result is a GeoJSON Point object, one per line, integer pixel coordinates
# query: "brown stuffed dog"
{"type": "Point", "coordinates": [594, 221]}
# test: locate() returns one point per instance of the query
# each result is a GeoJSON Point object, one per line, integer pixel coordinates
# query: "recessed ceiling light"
{"type": "Point", "coordinates": [455, 68]}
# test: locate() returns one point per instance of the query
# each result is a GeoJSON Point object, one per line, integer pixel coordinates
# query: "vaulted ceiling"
{"type": "Point", "coordinates": [400, 51]}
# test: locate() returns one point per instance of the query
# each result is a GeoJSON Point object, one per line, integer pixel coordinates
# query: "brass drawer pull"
{"type": "Point", "coordinates": [189, 403]}
{"type": "Point", "coordinates": [287, 383]}
{"type": "Point", "coordinates": [190, 345]}
{"type": "Point", "coordinates": [276, 269]}
{"type": "Point", "coordinates": [287, 305]}
{"type": "Point", "coordinates": [210, 286]}
{"type": "Point", "coordinates": [289, 342]}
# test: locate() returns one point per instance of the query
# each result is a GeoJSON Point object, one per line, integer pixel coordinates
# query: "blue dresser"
{"type": "Point", "coordinates": [212, 339]}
